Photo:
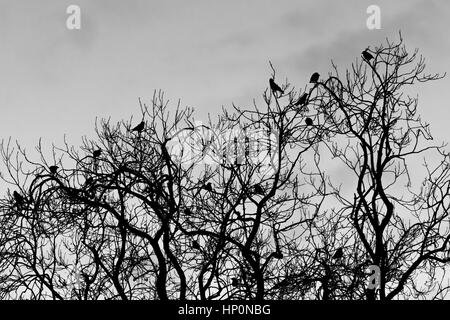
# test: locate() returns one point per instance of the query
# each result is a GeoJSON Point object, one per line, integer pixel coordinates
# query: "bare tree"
{"type": "Point", "coordinates": [240, 207]}
{"type": "Point", "coordinates": [133, 215]}
{"type": "Point", "coordinates": [377, 135]}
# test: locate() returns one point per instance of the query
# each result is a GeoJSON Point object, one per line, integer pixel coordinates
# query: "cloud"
{"type": "Point", "coordinates": [423, 24]}
{"type": "Point", "coordinates": [344, 45]}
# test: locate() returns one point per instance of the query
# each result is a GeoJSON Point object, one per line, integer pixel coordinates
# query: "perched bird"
{"type": "Point", "coordinates": [195, 245]}
{"type": "Point", "coordinates": [97, 153]}
{"type": "Point", "coordinates": [258, 189]}
{"type": "Point", "coordinates": [314, 78]}
{"type": "Point", "coordinates": [139, 127]}
{"type": "Point", "coordinates": [309, 121]}
{"type": "Point", "coordinates": [278, 255]}
{"type": "Point", "coordinates": [187, 211]}
{"type": "Point", "coordinates": [234, 282]}
{"type": "Point", "coordinates": [18, 198]}
{"type": "Point", "coordinates": [208, 186]}
{"type": "Point", "coordinates": [274, 87]}
{"type": "Point", "coordinates": [338, 254]}
{"type": "Point", "coordinates": [53, 169]}
{"type": "Point", "coordinates": [302, 100]}
{"type": "Point", "coordinates": [366, 55]}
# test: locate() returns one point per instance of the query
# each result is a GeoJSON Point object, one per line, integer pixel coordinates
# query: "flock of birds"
{"type": "Point", "coordinates": [275, 88]}
{"type": "Point", "coordinates": [257, 189]}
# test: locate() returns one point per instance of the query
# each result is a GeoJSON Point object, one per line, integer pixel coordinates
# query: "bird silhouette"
{"type": "Point", "coordinates": [18, 198]}
{"type": "Point", "coordinates": [278, 255]}
{"type": "Point", "coordinates": [366, 55]}
{"type": "Point", "coordinates": [314, 78]}
{"type": "Point", "coordinates": [53, 169]}
{"type": "Point", "coordinates": [97, 153]}
{"type": "Point", "coordinates": [309, 121]}
{"type": "Point", "coordinates": [274, 87]}
{"type": "Point", "coordinates": [338, 254]}
{"type": "Point", "coordinates": [139, 127]}
{"type": "Point", "coordinates": [195, 245]}
{"type": "Point", "coordinates": [258, 189]}
{"type": "Point", "coordinates": [187, 211]}
{"type": "Point", "coordinates": [234, 282]}
{"type": "Point", "coordinates": [208, 187]}
{"type": "Point", "coordinates": [302, 100]}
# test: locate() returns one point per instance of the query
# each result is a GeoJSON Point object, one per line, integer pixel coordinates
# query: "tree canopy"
{"type": "Point", "coordinates": [296, 198]}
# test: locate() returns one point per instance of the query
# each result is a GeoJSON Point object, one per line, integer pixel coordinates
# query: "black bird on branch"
{"type": "Point", "coordinates": [367, 56]}
{"type": "Point", "coordinates": [338, 254]}
{"type": "Point", "coordinates": [314, 78]}
{"type": "Point", "coordinates": [274, 87]}
{"type": "Point", "coordinates": [208, 187]}
{"type": "Point", "coordinates": [195, 245]}
{"type": "Point", "coordinates": [234, 282]}
{"type": "Point", "coordinates": [18, 198]}
{"type": "Point", "coordinates": [258, 189]}
{"type": "Point", "coordinates": [97, 153]}
{"type": "Point", "coordinates": [139, 127]}
{"type": "Point", "coordinates": [278, 255]}
{"type": "Point", "coordinates": [309, 121]}
{"type": "Point", "coordinates": [187, 211]}
{"type": "Point", "coordinates": [302, 100]}
{"type": "Point", "coordinates": [53, 169]}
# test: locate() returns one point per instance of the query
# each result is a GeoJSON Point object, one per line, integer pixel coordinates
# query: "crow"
{"type": "Point", "coordinates": [53, 169]}
{"type": "Point", "coordinates": [314, 78]}
{"type": "Point", "coordinates": [195, 245]}
{"type": "Point", "coordinates": [139, 127]}
{"type": "Point", "coordinates": [367, 56]}
{"type": "Point", "coordinates": [187, 211]}
{"type": "Point", "coordinates": [18, 198]}
{"type": "Point", "coordinates": [97, 153]}
{"type": "Point", "coordinates": [278, 255]}
{"type": "Point", "coordinates": [338, 254]}
{"type": "Point", "coordinates": [234, 282]}
{"type": "Point", "coordinates": [309, 122]}
{"type": "Point", "coordinates": [274, 87]}
{"type": "Point", "coordinates": [208, 187]}
{"type": "Point", "coordinates": [258, 189]}
{"type": "Point", "coordinates": [302, 100]}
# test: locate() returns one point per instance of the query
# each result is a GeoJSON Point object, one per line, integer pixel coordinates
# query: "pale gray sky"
{"type": "Point", "coordinates": [54, 81]}
{"type": "Point", "coordinates": [208, 53]}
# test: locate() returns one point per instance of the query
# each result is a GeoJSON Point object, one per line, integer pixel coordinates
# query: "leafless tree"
{"type": "Point", "coordinates": [132, 215]}
{"type": "Point", "coordinates": [377, 135]}
{"type": "Point", "coordinates": [240, 207]}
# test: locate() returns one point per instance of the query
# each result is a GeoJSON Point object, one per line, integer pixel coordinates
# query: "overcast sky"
{"type": "Point", "coordinates": [55, 81]}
